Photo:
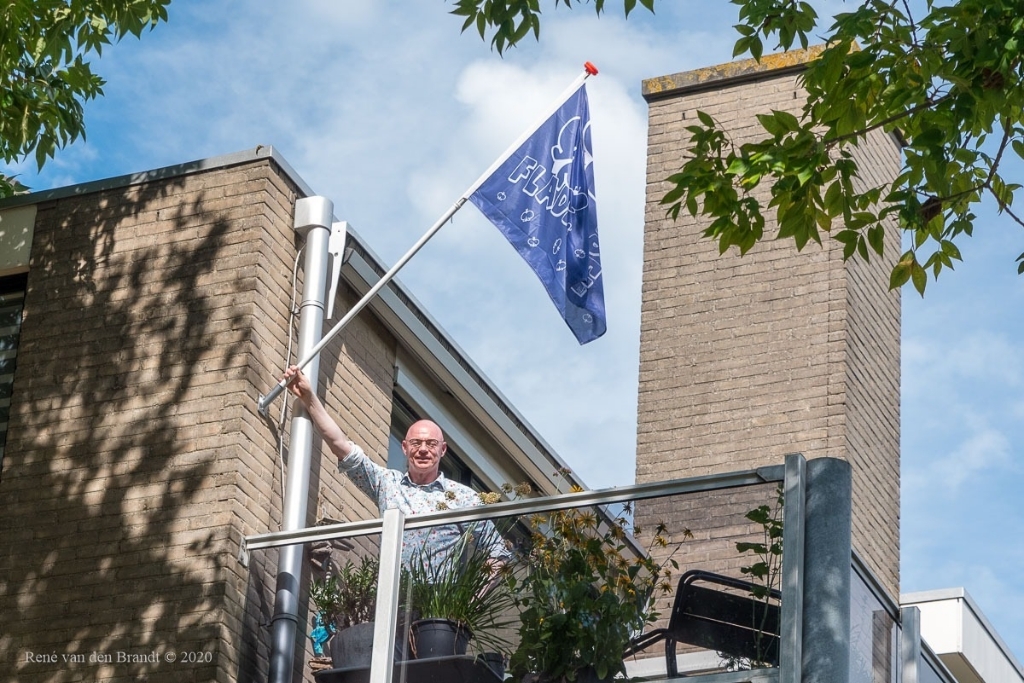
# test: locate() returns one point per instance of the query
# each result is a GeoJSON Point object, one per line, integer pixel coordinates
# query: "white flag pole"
{"type": "Point", "coordinates": [588, 70]}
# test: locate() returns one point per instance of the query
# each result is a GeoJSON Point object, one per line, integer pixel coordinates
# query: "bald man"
{"type": "Point", "coordinates": [423, 488]}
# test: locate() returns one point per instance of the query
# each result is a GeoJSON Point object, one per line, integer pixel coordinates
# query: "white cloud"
{"type": "Point", "coordinates": [962, 355]}
{"type": "Point", "coordinates": [985, 452]}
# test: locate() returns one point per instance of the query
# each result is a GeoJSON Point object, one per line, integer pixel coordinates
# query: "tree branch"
{"type": "Point", "coordinates": [887, 121]}
{"type": "Point", "coordinates": [1003, 206]}
{"type": "Point", "coordinates": [1011, 214]}
{"type": "Point", "coordinates": [913, 24]}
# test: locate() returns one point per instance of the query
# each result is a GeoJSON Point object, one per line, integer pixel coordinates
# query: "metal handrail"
{"type": "Point", "coordinates": [619, 494]}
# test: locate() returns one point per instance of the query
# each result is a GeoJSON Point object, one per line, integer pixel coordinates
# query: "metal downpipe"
{"type": "Point", "coordinates": [313, 216]}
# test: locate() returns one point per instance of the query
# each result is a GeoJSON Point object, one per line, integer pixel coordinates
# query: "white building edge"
{"type": "Point", "coordinates": [962, 638]}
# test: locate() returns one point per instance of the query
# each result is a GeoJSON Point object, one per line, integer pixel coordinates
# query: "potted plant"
{"type": "Point", "coordinates": [346, 600]}
{"type": "Point", "coordinates": [583, 592]}
{"type": "Point", "coordinates": [457, 595]}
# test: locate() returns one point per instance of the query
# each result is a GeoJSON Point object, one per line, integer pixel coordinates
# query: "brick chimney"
{"type": "Point", "coordinates": [746, 359]}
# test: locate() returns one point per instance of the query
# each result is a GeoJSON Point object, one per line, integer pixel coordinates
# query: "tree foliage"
{"type": "Point", "coordinates": [45, 76]}
{"type": "Point", "coordinates": [512, 20]}
{"type": "Point", "coordinates": [945, 77]}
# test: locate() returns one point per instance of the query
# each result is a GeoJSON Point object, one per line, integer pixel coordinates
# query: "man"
{"type": "Point", "coordinates": [422, 489]}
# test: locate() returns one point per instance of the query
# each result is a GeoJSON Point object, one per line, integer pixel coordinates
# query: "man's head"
{"type": "Point", "coordinates": [424, 447]}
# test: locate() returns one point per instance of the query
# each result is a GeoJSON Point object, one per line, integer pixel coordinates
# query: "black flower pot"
{"type": "Point", "coordinates": [587, 674]}
{"type": "Point", "coordinates": [439, 638]}
{"type": "Point", "coordinates": [353, 647]}
{"type": "Point", "coordinates": [495, 661]}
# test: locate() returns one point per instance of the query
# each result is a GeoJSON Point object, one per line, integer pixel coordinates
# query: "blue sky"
{"type": "Point", "coordinates": [388, 111]}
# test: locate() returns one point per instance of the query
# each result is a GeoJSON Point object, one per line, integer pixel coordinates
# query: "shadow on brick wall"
{"type": "Point", "coordinates": [117, 479]}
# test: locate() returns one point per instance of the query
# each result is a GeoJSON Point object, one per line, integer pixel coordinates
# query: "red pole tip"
{"type": "Point", "coordinates": [590, 68]}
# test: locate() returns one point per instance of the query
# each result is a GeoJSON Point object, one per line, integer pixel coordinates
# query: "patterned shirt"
{"type": "Point", "coordinates": [394, 489]}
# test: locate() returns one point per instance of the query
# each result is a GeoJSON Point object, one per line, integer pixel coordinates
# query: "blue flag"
{"type": "Point", "coordinates": [542, 200]}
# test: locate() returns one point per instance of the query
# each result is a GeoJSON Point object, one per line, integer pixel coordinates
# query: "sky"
{"type": "Point", "coordinates": [387, 110]}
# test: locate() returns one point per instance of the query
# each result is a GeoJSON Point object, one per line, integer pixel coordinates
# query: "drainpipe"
{"type": "Point", "coordinates": [313, 218]}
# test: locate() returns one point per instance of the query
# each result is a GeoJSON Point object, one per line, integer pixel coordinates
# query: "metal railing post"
{"type": "Point", "coordinates": [828, 554]}
{"type": "Point", "coordinates": [910, 644]}
{"type": "Point", "coordinates": [792, 609]}
{"type": "Point", "coordinates": [382, 663]}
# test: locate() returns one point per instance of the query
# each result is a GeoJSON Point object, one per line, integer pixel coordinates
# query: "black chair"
{"type": "Point", "coordinates": [734, 624]}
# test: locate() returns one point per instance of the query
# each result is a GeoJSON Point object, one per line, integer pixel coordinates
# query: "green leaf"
{"type": "Point", "coordinates": [876, 238]}
{"type": "Point", "coordinates": [919, 277]}
{"type": "Point", "coordinates": [900, 274]}
{"type": "Point", "coordinates": [951, 250]}
{"type": "Point", "coordinates": [1018, 147]}
{"type": "Point", "coordinates": [787, 120]}
{"type": "Point", "coordinates": [738, 166]}
{"type": "Point", "coordinates": [862, 248]}
{"type": "Point", "coordinates": [834, 199]}
{"type": "Point", "coordinates": [772, 124]}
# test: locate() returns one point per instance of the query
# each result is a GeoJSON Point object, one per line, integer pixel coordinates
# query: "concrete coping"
{"type": "Point", "coordinates": [729, 73]}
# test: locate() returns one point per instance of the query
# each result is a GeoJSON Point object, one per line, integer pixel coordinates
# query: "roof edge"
{"type": "Point", "coordinates": [730, 73]}
{"type": "Point", "coordinates": [115, 182]}
{"type": "Point", "coordinates": [960, 593]}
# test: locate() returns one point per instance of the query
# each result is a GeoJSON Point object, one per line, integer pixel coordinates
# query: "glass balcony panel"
{"type": "Point", "coordinates": [595, 582]}
{"type": "Point", "coordinates": [931, 668]}
{"type": "Point", "coordinates": [874, 634]}
{"type": "Point", "coordinates": [572, 577]}
{"type": "Point", "coordinates": [344, 574]}
{"type": "Point", "coordinates": [931, 673]}
{"type": "Point", "coordinates": [733, 533]}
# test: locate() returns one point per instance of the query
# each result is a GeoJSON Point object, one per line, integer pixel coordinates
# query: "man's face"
{"type": "Point", "coordinates": [424, 446]}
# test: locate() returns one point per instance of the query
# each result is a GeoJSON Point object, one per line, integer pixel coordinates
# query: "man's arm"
{"type": "Point", "coordinates": [333, 436]}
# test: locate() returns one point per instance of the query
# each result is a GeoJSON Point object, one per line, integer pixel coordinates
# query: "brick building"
{"type": "Point", "coordinates": [745, 359]}
{"type": "Point", "coordinates": [153, 309]}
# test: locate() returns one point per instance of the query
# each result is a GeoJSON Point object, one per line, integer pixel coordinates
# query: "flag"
{"type": "Point", "coordinates": [542, 199]}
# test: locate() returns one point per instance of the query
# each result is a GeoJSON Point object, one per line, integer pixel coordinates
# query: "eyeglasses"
{"type": "Point", "coordinates": [429, 443]}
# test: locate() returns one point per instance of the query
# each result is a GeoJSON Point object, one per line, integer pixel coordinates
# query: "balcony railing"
{"type": "Point", "coordinates": [724, 525]}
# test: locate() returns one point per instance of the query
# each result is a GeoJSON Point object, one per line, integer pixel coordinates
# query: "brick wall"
{"type": "Point", "coordinates": [155, 314]}
{"type": "Point", "coordinates": [745, 359]}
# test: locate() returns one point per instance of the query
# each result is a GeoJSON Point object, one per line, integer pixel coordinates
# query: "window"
{"type": "Point", "coordinates": [12, 299]}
